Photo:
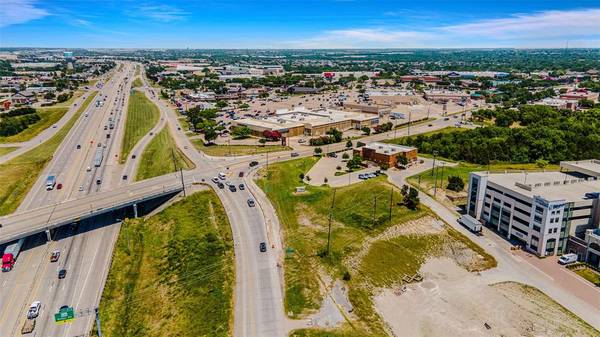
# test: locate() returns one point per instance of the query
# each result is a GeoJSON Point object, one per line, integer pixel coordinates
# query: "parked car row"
{"type": "Point", "coordinates": [366, 176]}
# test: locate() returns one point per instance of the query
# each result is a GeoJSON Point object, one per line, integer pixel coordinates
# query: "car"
{"type": "Point", "coordinates": [250, 203]}
{"type": "Point", "coordinates": [88, 169]}
{"type": "Point", "coordinates": [294, 154]}
{"type": "Point", "coordinates": [361, 176]}
{"type": "Point", "coordinates": [54, 256]}
{"type": "Point", "coordinates": [332, 155]}
{"type": "Point", "coordinates": [125, 177]}
{"type": "Point", "coordinates": [242, 187]}
{"type": "Point", "coordinates": [447, 118]}
{"type": "Point", "coordinates": [262, 247]}
{"type": "Point", "coordinates": [62, 273]}
{"type": "Point", "coordinates": [34, 310]}
{"type": "Point", "coordinates": [133, 156]}
{"type": "Point", "coordinates": [430, 125]}
{"type": "Point", "coordinates": [301, 140]}
{"type": "Point", "coordinates": [372, 175]}
{"type": "Point", "coordinates": [80, 188]}
{"type": "Point", "coordinates": [241, 174]}
{"type": "Point", "coordinates": [215, 180]}
{"type": "Point", "coordinates": [232, 188]}
{"type": "Point", "coordinates": [59, 186]}
{"type": "Point", "coordinates": [54, 126]}
{"type": "Point", "coordinates": [253, 163]}
{"type": "Point", "coordinates": [98, 181]}
{"type": "Point", "coordinates": [78, 146]}
{"type": "Point", "coordinates": [221, 185]}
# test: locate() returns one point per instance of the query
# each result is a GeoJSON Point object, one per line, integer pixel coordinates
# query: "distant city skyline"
{"type": "Point", "coordinates": [300, 24]}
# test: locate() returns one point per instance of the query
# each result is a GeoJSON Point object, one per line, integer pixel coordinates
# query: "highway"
{"type": "Point", "coordinates": [81, 255]}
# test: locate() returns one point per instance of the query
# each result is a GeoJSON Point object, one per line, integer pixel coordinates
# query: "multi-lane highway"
{"type": "Point", "coordinates": [34, 277]}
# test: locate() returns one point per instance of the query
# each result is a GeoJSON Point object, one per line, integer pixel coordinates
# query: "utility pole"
{"type": "Point", "coordinates": [442, 178]}
{"type": "Point", "coordinates": [374, 209]}
{"type": "Point", "coordinates": [330, 218]}
{"type": "Point", "coordinates": [434, 154]}
{"type": "Point", "coordinates": [98, 323]}
{"type": "Point", "coordinates": [409, 117]}
{"type": "Point", "coordinates": [435, 182]}
{"type": "Point", "coordinates": [391, 201]}
{"type": "Point", "coordinates": [182, 183]}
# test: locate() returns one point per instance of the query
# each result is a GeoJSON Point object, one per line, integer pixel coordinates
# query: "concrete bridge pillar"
{"type": "Point", "coordinates": [48, 235]}
{"type": "Point", "coordinates": [135, 211]}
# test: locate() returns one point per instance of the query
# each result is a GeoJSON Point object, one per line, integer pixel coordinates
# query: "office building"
{"type": "Point", "coordinates": [547, 212]}
{"type": "Point", "coordinates": [387, 154]}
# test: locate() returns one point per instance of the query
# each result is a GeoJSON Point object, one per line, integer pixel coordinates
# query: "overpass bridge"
{"type": "Point", "coordinates": [25, 223]}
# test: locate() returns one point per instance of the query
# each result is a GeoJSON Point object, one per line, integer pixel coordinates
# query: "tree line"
{"type": "Point", "coordinates": [525, 135]}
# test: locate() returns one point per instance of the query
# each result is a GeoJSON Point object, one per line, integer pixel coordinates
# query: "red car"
{"type": "Point", "coordinates": [59, 186]}
{"type": "Point", "coordinates": [241, 174]}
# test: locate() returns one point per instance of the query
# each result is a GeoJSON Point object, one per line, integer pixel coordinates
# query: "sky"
{"type": "Point", "coordinates": [300, 24]}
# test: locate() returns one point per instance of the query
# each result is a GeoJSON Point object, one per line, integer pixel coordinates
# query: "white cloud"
{"type": "Point", "coordinates": [538, 25]}
{"type": "Point", "coordinates": [541, 29]}
{"type": "Point", "coordinates": [164, 13]}
{"type": "Point", "coordinates": [20, 11]}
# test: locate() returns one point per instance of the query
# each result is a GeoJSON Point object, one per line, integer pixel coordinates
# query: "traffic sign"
{"type": "Point", "coordinates": [64, 315]}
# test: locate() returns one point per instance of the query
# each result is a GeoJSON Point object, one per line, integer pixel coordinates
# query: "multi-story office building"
{"type": "Point", "coordinates": [543, 210]}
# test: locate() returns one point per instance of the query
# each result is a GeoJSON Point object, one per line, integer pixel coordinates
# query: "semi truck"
{"type": "Point", "coordinates": [98, 157]}
{"type": "Point", "coordinates": [10, 255]}
{"type": "Point", "coordinates": [50, 182]}
{"type": "Point", "coordinates": [470, 222]}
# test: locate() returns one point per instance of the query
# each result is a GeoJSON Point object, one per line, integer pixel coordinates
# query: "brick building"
{"type": "Point", "coordinates": [387, 154]}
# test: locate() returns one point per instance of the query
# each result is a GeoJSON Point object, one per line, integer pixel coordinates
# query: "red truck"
{"type": "Point", "coordinates": [10, 255]}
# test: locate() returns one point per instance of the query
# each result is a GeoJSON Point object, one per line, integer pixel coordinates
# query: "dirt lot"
{"type": "Point", "coordinates": [453, 302]}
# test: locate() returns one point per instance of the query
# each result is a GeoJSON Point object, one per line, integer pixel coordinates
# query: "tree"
{"type": "Point", "coordinates": [541, 163]}
{"type": "Point", "coordinates": [210, 134]}
{"type": "Point", "coordinates": [412, 199]}
{"type": "Point", "coordinates": [355, 162]}
{"type": "Point", "coordinates": [63, 97]}
{"type": "Point", "coordinates": [318, 150]}
{"type": "Point", "coordinates": [241, 132]}
{"type": "Point", "coordinates": [263, 95]}
{"type": "Point", "coordinates": [301, 176]}
{"type": "Point", "coordinates": [221, 104]}
{"type": "Point", "coordinates": [366, 130]}
{"type": "Point", "coordinates": [49, 95]}
{"type": "Point", "coordinates": [455, 183]}
{"type": "Point", "coordinates": [402, 160]}
{"type": "Point", "coordinates": [586, 103]}
{"type": "Point", "coordinates": [243, 106]}
{"type": "Point", "coordinates": [335, 134]}
{"type": "Point", "coordinates": [345, 155]}
{"type": "Point", "coordinates": [349, 144]}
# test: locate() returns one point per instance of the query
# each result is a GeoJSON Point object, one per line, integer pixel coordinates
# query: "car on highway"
{"type": "Point", "coordinates": [54, 256]}
{"type": "Point", "coordinates": [78, 146]}
{"type": "Point", "coordinates": [34, 310]}
{"type": "Point", "coordinates": [262, 247]}
{"type": "Point", "coordinates": [80, 188]}
{"type": "Point", "coordinates": [98, 181]}
{"type": "Point", "coordinates": [54, 126]}
{"type": "Point", "coordinates": [62, 274]}
{"type": "Point", "coordinates": [241, 174]}
{"type": "Point", "coordinates": [253, 163]}
{"type": "Point", "coordinates": [242, 187]}
{"type": "Point", "coordinates": [88, 169]}
{"type": "Point", "coordinates": [215, 180]}
{"type": "Point", "coordinates": [232, 188]}
{"type": "Point", "coordinates": [59, 186]}
{"type": "Point", "coordinates": [430, 125]}
{"type": "Point", "coordinates": [133, 156]}
{"type": "Point", "coordinates": [294, 154]}
{"type": "Point", "coordinates": [447, 118]}
{"type": "Point", "coordinates": [251, 202]}
{"type": "Point", "coordinates": [28, 326]}
{"type": "Point", "coordinates": [125, 177]}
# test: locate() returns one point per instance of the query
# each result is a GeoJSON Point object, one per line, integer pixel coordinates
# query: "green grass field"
{"type": "Point", "coordinates": [7, 150]}
{"type": "Point", "coordinates": [361, 211]}
{"type": "Point", "coordinates": [70, 101]}
{"type": "Point", "coordinates": [49, 116]}
{"type": "Point", "coordinates": [588, 274]}
{"type": "Point", "coordinates": [236, 150]}
{"type": "Point", "coordinates": [448, 129]}
{"type": "Point", "coordinates": [157, 158]}
{"type": "Point", "coordinates": [142, 115]}
{"type": "Point", "coordinates": [137, 83]}
{"type": "Point", "coordinates": [172, 274]}
{"type": "Point", "coordinates": [18, 175]}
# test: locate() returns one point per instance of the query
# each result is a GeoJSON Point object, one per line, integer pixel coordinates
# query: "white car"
{"type": "Point", "coordinates": [88, 169]}
{"type": "Point", "coordinates": [215, 180]}
{"type": "Point", "coordinates": [80, 188]}
{"type": "Point", "coordinates": [34, 310]}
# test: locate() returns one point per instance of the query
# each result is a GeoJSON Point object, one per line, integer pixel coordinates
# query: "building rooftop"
{"type": "Point", "coordinates": [388, 149]}
{"type": "Point", "coordinates": [590, 167]}
{"type": "Point", "coordinates": [554, 185]}
{"type": "Point", "coordinates": [268, 123]}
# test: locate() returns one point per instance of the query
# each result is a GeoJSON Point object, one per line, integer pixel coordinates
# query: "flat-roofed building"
{"type": "Point", "coordinates": [545, 211]}
{"type": "Point", "coordinates": [443, 96]}
{"type": "Point", "coordinates": [383, 153]}
{"type": "Point", "coordinates": [259, 126]}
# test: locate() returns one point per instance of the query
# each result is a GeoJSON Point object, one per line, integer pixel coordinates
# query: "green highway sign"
{"type": "Point", "coordinates": [64, 315]}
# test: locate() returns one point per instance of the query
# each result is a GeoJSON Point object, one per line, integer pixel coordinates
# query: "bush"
{"type": "Point", "coordinates": [346, 276]}
{"type": "Point", "coordinates": [455, 183]}
{"type": "Point", "coordinates": [345, 156]}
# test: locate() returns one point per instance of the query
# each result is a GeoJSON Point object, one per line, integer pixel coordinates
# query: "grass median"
{"type": "Point", "coordinates": [18, 175]}
{"type": "Point", "coordinates": [368, 220]}
{"type": "Point", "coordinates": [7, 150]}
{"type": "Point", "coordinates": [162, 156]}
{"type": "Point", "coordinates": [217, 150]}
{"type": "Point", "coordinates": [172, 274]}
{"type": "Point", "coordinates": [142, 116]}
{"type": "Point", "coordinates": [137, 83]}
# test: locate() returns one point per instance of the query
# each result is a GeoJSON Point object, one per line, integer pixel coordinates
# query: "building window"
{"type": "Point", "coordinates": [536, 228]}
{"type": "Point", "coordinates": [539, 210]}
{"type": "Point", "coordinates": [537, 218]}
